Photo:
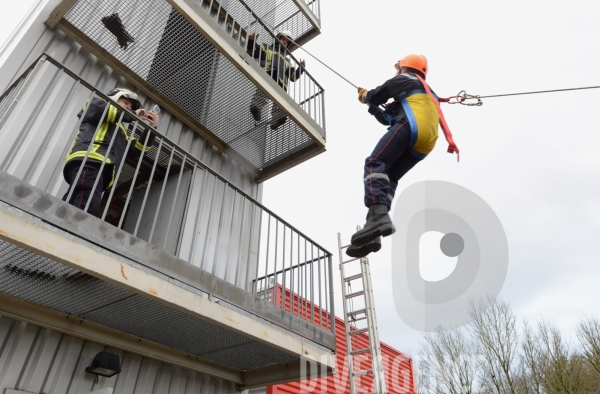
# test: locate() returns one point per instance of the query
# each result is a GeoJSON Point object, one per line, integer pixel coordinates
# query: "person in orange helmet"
{"type": "Point", "coordinates": [412, 119]}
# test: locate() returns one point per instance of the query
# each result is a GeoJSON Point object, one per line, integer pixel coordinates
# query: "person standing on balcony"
{"type": "Point", "coordinates": [273, 59]}
{"type": "Point", "coordinates": [107, 124]}
{"type": "Point", "coordinates": [413, 119]}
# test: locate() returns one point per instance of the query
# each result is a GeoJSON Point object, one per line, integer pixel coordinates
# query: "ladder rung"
{"type": "Point", "coordinates": [358, 293]}
{"type": "Point", "coordinates": [364, 310]}
{"type": "Point", "coordinates": [360, 351]}
{"type": "Point", "coordinates": [349, 261]}
{"type": "Point", "coordinates": [348, 279]}
{"type": "Point", "coordinates": [354, 332]}
{"type": "Point", "coordinates": [359, 319]}
{"type": "Point", "coordinates": [363, 372]}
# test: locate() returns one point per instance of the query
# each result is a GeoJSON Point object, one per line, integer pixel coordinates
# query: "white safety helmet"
{"type": "Point", "coordinates": [116, 94]}
{"type": "Point", "coordinates": [285, 33]}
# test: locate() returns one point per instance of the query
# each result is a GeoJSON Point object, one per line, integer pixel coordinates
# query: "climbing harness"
{"type": "Point", "coordinates": [452, 148]}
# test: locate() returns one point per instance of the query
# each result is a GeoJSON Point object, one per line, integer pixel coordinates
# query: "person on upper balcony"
{"type": "Point", "coordinates": [274, 60]}
{"type": "Point", "coordinates": [107, 122]}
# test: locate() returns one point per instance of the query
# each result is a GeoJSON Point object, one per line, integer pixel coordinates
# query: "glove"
{"type": "Point", "coordinates": [362, 92]}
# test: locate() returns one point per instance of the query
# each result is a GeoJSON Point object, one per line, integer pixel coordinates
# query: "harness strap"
{"type": "Point", "coordinates": [452, 148]}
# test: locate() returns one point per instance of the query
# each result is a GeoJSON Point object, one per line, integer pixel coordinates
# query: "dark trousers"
{"type": "Point", "coordinates": [390, 160]}
{"type": "Point", "coordinates": [257, 103]}
{"type": "Point", "coordinates": [82, 187]}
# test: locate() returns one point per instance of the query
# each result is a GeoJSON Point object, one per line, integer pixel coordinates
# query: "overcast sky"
{"type": "Point", "coordinates": [534, 159]}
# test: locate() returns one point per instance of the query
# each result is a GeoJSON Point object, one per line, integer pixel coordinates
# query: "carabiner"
{"type": "Point", "coordinates": [463, 96]}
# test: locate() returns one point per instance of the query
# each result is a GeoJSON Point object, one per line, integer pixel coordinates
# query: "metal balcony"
{"type": "Point", "coordinates": [191, 57]}
{"type": "Point", "coordinates": [301, 17]}
{"type": "Point", "coordinates": [180, 262]}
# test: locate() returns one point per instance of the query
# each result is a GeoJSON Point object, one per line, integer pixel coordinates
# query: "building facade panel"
{"type": "Point", "coordinates": [39, 360]}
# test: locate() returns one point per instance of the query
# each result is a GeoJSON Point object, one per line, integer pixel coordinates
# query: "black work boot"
{"type": "Point", "coordinates": [362, 251]}
{"type": "Point", "coordinates": [278, 122]}
{"type": "Point", "coordinates": [255, 113]}
{"type": "Point", "coordinates": [378, 224]}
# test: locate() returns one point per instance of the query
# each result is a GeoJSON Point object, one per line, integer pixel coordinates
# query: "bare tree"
{"type": "Point", "coordinates": [493, 356]}
{"type": "Point", "coordinates": [588, 332]}
{"type": "Point", "coordinates": [529, 379]}
{"type": "Point", "coordinates": [554, 364]}
{"type": "Point", "coordinates": [494, 328]}
{"type": "Point", "coordinates": [451, 360]}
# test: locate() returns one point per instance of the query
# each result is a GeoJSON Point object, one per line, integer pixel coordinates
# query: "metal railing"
{"type": "Point", "coordinates": [287, 15]}
{"type": "Point", "coordinates": [297, 274]}
{"type": "Point", "coordinates": [238, 20]}
{"type": "Point", "coordinates": [166, 195]}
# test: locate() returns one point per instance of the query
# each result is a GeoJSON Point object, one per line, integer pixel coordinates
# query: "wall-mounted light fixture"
{"type": "Point", "coordinates": [104, 364]}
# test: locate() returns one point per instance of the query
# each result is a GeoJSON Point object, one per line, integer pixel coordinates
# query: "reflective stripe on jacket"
{"type": "Point", "coordinates": [108, 125]}
{"type": "Point", "coordinates": [274, 62]}
{"type": "Point", "coordinates": [411, 102]}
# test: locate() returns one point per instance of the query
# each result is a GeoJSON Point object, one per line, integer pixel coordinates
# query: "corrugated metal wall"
{"type": "Point", "coordinates": [39, 360]}
{"type": "Point", "coordinates": [398, 370]}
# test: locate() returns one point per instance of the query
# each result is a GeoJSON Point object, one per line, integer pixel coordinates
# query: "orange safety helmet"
{"type": "Point", "coordinates": [418, 62]}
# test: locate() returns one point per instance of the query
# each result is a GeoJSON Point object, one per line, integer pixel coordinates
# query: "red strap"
{"type": "Point", "coordinates": [452, 148]}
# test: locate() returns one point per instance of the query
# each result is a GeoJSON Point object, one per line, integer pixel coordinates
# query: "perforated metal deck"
{"type": "Point", "coordinates": [36, 279]}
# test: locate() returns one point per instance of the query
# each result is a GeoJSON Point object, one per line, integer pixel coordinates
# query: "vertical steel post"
{"type": "Point", "coordinates": [160, 197]}
{"type": "Point", "coordinates": [267, 256]}
{"type": "Point", "coordinates": [320, 288]}
{"type": "Point", "coordinates": [331, 298]}
{"type": "Point", "coordinates": [283, 288]}
{"type": "Point", "coordinates": [118, 174]}
{"type": "Point", "coordinates": [258, 246]}
{"type": "Point", "coordinates": [175, 199]}
{"type": "Point", "coordinates": [275, 276]}
{"type": "Point", "coordinates": [230, 236]}
{"type": "Point", "coordinates": [220, 228]}
{"type": "Point", "coordinates": [137, 171]}
{"type": "Point", "coordinates": [87, 153]}
{"type": "Point", "coordinates": [137, 225]}
{"type": "Point", "coordinates": [312, 283]}
{"type": "Point", "coordinates": [207, 236]}
{"type": "Point", "coordinates": [239, 249]}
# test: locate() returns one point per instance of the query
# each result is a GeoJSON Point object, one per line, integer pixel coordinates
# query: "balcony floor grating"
{"type": "Point", "coordinates": [41, 281]}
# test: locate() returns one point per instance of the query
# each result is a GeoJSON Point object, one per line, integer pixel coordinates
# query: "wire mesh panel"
{"type": "Point", "coordinates": [285, 15]}
{"type": "Point", "coordinates": [39, 280]}
{"type": "Point", "coordinates": [159, 45]}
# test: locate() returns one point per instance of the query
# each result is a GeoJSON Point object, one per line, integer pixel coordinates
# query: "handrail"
{"type": "Point", "coordinates": [46, 57]}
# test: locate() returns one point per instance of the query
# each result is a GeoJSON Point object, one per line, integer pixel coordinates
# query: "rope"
{"type": "Point", "coordinates": [313, 56]}
{"type": "Point", "coordinates": [462, 96]}
{"type": "Point", "coordinates": [539, 91]}
{"type": "Point", "coordinates": [458, 99]}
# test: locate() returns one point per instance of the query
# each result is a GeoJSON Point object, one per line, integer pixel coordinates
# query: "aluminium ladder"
{"type": "Point", "coordinates": [366, 314]}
